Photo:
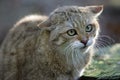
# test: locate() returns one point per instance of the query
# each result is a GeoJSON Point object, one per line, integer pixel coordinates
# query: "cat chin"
{"type": "Point", "coordinates": [83, 49]}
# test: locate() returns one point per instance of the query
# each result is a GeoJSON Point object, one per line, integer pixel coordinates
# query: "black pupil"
{"type": "Point", "coordinates": [71, 32]}
{"type": "Point", "coordinates": [89, 28]}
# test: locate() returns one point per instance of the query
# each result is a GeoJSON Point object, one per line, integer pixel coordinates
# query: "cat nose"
{"type": "Point", "coordinates": [84, 42]}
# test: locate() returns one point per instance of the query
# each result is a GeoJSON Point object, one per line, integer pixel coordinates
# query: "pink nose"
{"type": "Point", "coordinates": [84, 41]}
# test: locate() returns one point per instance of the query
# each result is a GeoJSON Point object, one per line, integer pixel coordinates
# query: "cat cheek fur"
{"type": "Point", "coordinates": [59, 41]}
{"type": "Point", "coordinates": [56, 38]}
{"type": "Point", "coordinates": [90, 41]}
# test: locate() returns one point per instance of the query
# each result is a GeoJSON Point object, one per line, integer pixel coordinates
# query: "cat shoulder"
{"type": "Point", "coordinates": [27, 25]}
{"type": "Point", "coordinates": [25, 29]}
{"type": "Point", "coordinates": [30, 21]}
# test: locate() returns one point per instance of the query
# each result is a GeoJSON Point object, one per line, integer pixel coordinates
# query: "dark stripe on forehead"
{"type": "Point", "coordinates": [75, 16]}
{"type": "Point", "coordinates": [78, 21]}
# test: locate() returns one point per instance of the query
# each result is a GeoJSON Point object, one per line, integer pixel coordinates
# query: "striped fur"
{"type": "Point", "coordinates": [39, 48]}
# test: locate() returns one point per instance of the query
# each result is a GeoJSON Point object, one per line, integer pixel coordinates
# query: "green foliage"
{"type": "Point", "coordinates": [105, 64]}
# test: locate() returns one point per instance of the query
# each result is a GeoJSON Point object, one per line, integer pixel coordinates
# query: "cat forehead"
{"type": "Point", "coordinates": [70, 9]}
{"type": "Point", "coordinates": [71, 13]}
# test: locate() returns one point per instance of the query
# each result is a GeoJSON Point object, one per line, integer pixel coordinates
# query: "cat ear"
{"type": "Point", "coordinates": [45, 24]}
{"type": "Point", "coordinates": [97, 10]}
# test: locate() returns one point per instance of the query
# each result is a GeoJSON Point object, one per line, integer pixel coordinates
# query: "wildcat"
{"type": "Point", "coordinates": [50, 48]}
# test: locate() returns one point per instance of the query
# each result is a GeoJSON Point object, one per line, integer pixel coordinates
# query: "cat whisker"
{"type": "Point", "coordinates": [74, 54]}
{"type": "Point", "coordinates": [105, 42]}
{"type": "Point", "coordinates": [104, 38]}
{"type": "Point", "coordinates": [100, 52]}
{"type": "Point", "coordinates": [101, 44]}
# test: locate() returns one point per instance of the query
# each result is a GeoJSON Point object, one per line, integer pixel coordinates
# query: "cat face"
{"type": "Point", "coordinates": [79, 37]}
{"type": "Point", "coordinates": [74, 26]}
{"type": "Point", "coordinates": [72, 32]}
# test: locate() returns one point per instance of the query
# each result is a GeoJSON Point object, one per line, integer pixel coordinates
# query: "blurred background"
{"type": "Point", "coordinates": [12, 10]}
{"type": "Point", "coordinates": [107, 59]}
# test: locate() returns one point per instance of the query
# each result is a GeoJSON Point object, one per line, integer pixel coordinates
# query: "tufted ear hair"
{"type": "Point", "coordinates": [97, 10]}
{"type": "Point", "coordinates": [45, 23]}
{"type": "Point", "coordinates": [47, 26]}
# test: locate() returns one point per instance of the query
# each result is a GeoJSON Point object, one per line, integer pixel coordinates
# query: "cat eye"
{"type": "Point", "coordinates": [71, 32]}
{"type": "Point", "coordinates": [89, 28]}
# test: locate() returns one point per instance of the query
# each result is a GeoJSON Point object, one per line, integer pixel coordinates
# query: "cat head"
{"type": "Point", "coordinates": [73, 26]}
